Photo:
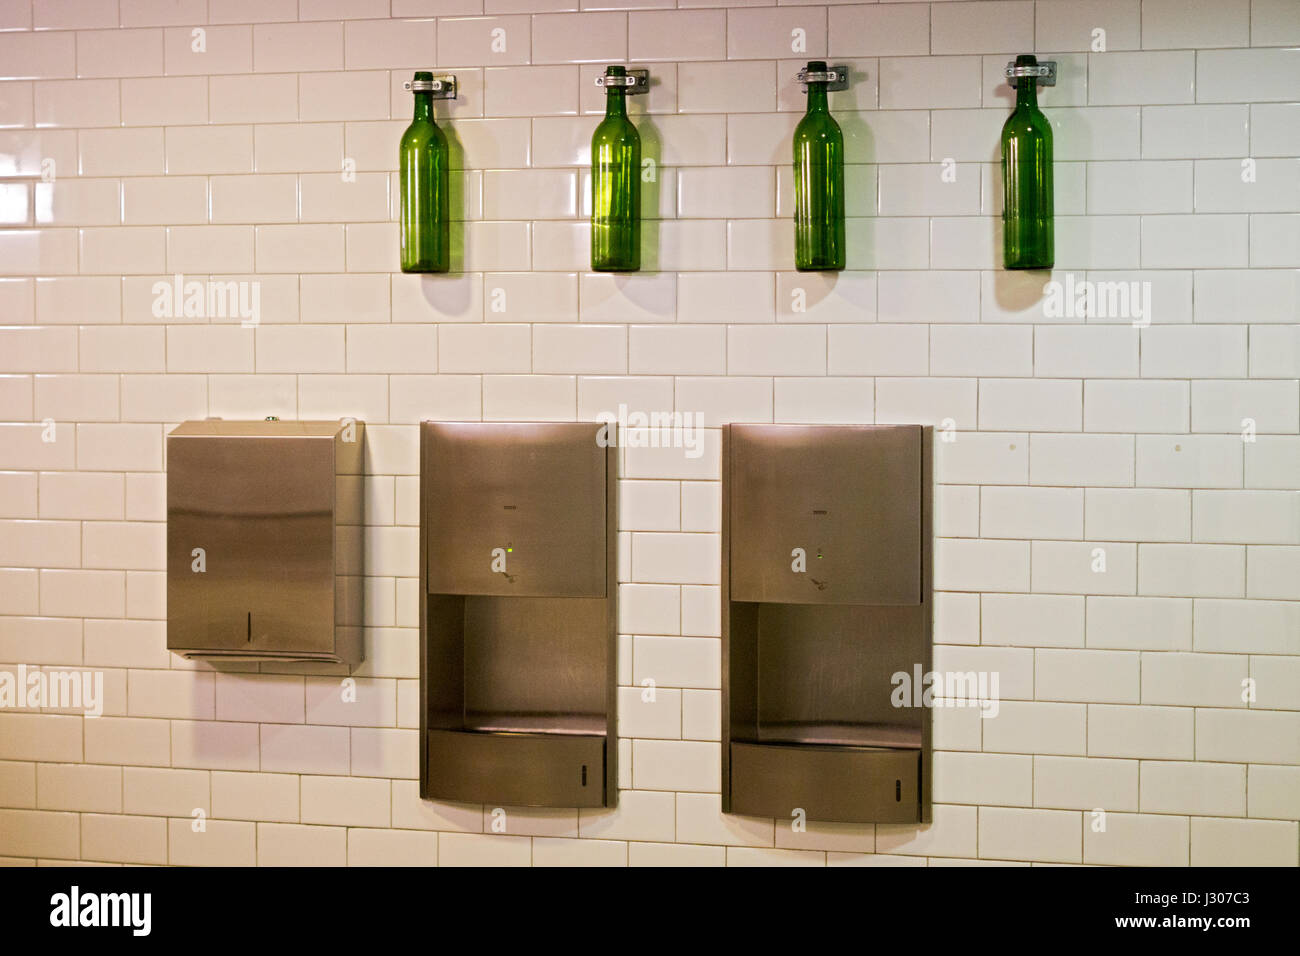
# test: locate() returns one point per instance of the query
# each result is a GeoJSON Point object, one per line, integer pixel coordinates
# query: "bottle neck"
{"type": "Point", "coordinates": [615, 101]}
{"type": "Point", "coordinates": [1027, 93]}
{"type": "Point", "coordinates": [424, 106]}
{"type": "Point", "coordinates": [817, 98]}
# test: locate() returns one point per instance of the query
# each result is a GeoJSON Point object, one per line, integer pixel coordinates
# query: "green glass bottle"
{"type": "Point", "coordinates": [425, 218]}
{"type": "Point", "coordinates": [615, 186]}
{"type": "Point", "coordinates": [818, 184]}
{"type": "Point", "coordinates": [1027, 240]}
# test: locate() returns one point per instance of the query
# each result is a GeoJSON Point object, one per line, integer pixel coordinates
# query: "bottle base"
{"type": "Point", "coordinates": [1031, 266]}
{"type": "Point", "coordinates": [421, 268]}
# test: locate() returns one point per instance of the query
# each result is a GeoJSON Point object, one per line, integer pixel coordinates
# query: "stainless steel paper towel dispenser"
{"type": "Point", "coordinates": [264, 530]}
{"type": "Point", "coordinates": [517, 618]}
{"type": "Point", "coordinates": [826, 596]}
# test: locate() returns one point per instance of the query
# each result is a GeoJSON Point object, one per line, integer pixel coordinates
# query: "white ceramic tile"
{"type": "Point", "coordinates": [896, 30]}
{"type": "Point", "coordinates": [1200, 23]}
{"type": "Point", "coordinates": [765, 33]}
{"type": "Point", "coordinates": [224, 49]}
{"type": "Point", "coordinates": [981, 27]}
{"type": "Point", "coordinates": [272, 98]}
{"type": "Point", "coordinates": [119, 52]}
{"type": "Point", "coordinates": [298, 148]}
{"type": "Point", "coordinates": [1169, 78]}
{"type": "Point", "coordinates": [1269, 74]}
{"type": "Point", "coordinates": [944, 82]}
{"type": "Point", "coordinates": [1273, 129]}
{"type": "Point", "coordinates": [1067, 25]}
{"type": "Point", "coordinates": [387, 44]}
{"type": "Point", "coordinates": [738, 87]}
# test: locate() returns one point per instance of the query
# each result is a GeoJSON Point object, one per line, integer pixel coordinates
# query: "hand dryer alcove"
{"type": "Point", "coordinates": [826, 598]}
{"type": "Point", "coordinates": [264, 539]}
{"type": "Point", "coordinates": [517, 615]}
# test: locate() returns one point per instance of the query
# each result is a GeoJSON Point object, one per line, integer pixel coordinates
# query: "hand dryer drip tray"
{"type": "Point", "coordinates": [843, 784]}
{"type": "Point", "coordinates": [279, 657]}
{"type": "Point", "coordinates": [580, 725]}
{"type": "Point", "coordinates": [841, 734]}
{"type": "Point", "coordinates": [517, 769]}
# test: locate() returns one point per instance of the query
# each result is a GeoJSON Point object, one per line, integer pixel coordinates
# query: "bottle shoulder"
{"type": "Point", "coordinates": [616, 129]}
{"type": "Point", "coordinates": [1028, 123]}
{"type": "Point", "coordinates": [818, 126]}
{"type": "Point", "coordinates": [421, 133]}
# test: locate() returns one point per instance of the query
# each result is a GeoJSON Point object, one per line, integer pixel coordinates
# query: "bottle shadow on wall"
{"type": "Point", "coordinates": [860, 205]}
{"type": "Point", "coordinates": [652, 173]}
{"type": "Point", "coordinates": [457, 200]}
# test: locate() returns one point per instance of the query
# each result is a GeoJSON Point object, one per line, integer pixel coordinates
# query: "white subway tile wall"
{"type": "Point", "coordinates": [1117, 457]}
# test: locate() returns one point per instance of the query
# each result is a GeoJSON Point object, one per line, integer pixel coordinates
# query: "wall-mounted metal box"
{"type": "Point", "coordinates": [826, 596]}
{"type": "Point", "coordinates": [264, 531]}
{"type": "Point", "coordinates": [517, 616]}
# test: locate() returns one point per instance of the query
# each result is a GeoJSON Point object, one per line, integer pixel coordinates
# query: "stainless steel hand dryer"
{"type": "Point", "coordinates": [517, 616]}
{"type": "Point", "coordinates": [826, 598]}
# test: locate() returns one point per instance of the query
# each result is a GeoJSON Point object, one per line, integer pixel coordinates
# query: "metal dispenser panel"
{"type": "Point", "coordinates": [264, 523]}
{"type": "Point", "coordinates": [851, 504]}
{"type": "Point", "coordinates": [517, 496]}
{"type": "Point", "coordinates": [826, 597]}
{"type": "Point", "coordinates": [517, 650]}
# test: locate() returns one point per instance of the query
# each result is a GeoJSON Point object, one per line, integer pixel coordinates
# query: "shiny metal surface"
{"type": "Point", "coordinates": [826, 595]}
{"type": "Point", "coordinates": [518, 643]}
{"type": "Point", "coordinates": [264, 524]}
{"type": "Point", "coordinates": [634, 81]}
{"type": "Point", "coordinates": [515, 509]}
{"type": "Point", "coordinates": [836, 78]}
{"type": "Point", "coordinates": [1044, 72]}
{"type": "Point", "coordinates": [844, 784]}
{"type": "Point", "coordinates": [517, 770]}
{"type": "Point", "coordinates": [442, 87]}
{"type": "Point", "coordinates": [847, 495]}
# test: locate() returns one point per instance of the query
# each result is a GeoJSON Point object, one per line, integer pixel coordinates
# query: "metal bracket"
{"type": "Point", "coordinates": [1044, 73]}
{"type": "Point", "coordinates": [835, 78]}
{"type": "Point", "coordinates": [636, 81]}
{"type": "Point", "coordinates": [442, 87]}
